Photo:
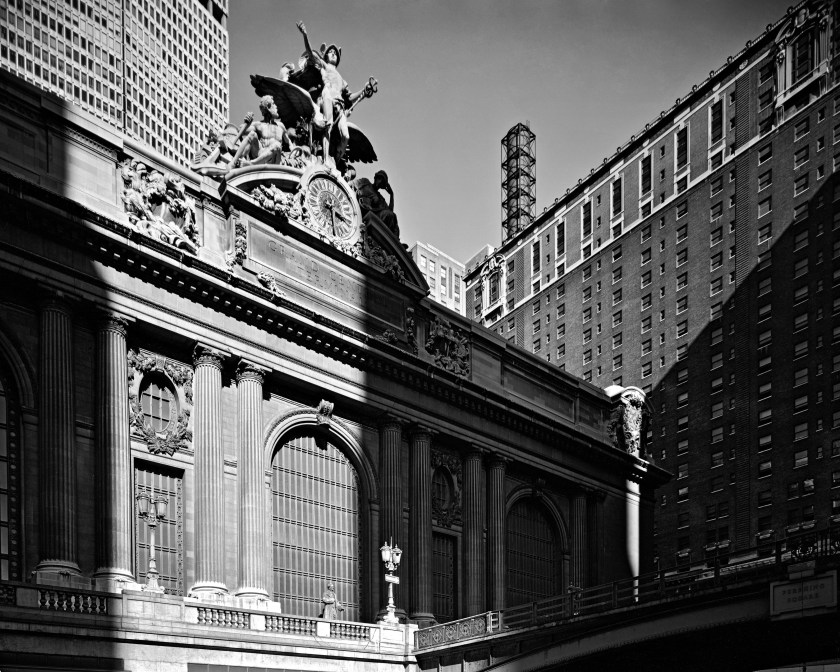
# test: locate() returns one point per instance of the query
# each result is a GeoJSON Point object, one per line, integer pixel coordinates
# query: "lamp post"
{"type": "Point", "coordinates": [391, 556]}
{"type": "Point", "coordinates": [152, 510]}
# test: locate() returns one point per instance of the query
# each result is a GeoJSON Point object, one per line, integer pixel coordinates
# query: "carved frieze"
{"type": "Point", "coordinates": [446, 506]}
{"type": "Point", "coordinates": [158, 206]}
{"type": "Point", "coordinates": [449, 347]}
{"type": "Point", "coordinates": [177, 435]}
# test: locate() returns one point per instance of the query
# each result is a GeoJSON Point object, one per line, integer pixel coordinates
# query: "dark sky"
{"type": "Point", "coordinates": [455, 75]}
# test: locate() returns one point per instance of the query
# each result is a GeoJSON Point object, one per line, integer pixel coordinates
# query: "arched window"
{"type": "Point", "coordinates": [158, 402]}
{"type": "Point", "coordinates": [534, 555]}
{"type": "Point", "coordinates": [315, 527]}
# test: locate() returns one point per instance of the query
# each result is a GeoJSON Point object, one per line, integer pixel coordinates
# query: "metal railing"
{"type": "Point", "coordinates": [764, 564]}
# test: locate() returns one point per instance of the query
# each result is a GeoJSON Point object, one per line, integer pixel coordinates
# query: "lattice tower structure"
{"type": "Point", "coordinates": [519, 179]}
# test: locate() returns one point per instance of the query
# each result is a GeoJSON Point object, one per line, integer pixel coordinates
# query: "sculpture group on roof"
{"type": "Point", "coordinates": [303, 120]}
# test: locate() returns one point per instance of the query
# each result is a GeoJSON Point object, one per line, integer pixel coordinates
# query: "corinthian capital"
{"type": "Point", "coordinates": [249, 371]}
{"type": "Point", "coordinates": [204, 355]}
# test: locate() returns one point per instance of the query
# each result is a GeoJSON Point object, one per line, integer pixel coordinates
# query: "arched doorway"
{"type": "Point", "coordinates": [315, 526]}
{"type": "Point", "coordinates": [534, 554]}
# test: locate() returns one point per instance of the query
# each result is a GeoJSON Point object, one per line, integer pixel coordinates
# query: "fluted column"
{"type": "Point", "coordinates": [497, 468]}
{"type": "Point", "coordinates": [580, 545]}
{"type": "Point", "coordinates": [421, 526]}
{"type": "Point", "coordinates": [252, 523]}
{"type": "Point", "coordinates": [115, 501]}
{"type": "Point", "coordinates": [390, 447]}
{"type": "Point", "coordinates": [58, 510]}
{"type": "Point", "coordinates": [209, 472]}
{"type": "Point", "coordinates": [473, 533]}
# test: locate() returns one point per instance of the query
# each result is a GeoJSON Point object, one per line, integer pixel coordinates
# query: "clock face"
{"type": "Point", "coordinates": [330, 207]}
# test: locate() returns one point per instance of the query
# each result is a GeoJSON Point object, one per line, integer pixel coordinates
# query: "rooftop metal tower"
{"type": "Point", "coordinates": [519, 179]}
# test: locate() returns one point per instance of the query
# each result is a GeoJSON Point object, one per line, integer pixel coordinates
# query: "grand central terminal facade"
{"type": "Point", "coordinates": [241, 376]}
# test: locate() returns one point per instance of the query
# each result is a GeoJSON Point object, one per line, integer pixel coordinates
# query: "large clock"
{"type": "Point", "coordinates": [331, 207]}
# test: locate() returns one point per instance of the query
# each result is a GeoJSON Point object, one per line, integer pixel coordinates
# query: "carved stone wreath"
{"type": "Point", "coordinates": [449, 347]}
{"type": "Point", "coordinates": [178, 436]}
{"type": "Point", "coordinates": [450, 514]}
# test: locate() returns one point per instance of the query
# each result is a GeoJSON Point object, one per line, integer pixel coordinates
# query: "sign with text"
{"type": "Point", "coordinates": [802, 594]}
{"type": "Point", "coordinates": [323, 276]}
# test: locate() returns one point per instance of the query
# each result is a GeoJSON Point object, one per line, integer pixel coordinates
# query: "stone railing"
{"type": "Point", "coordinates": [76, 601]}
{"type": "Point", "coordinates": [224, 618]}
{"type": "Point", "coordinates": [292, 625]}
{"type": "Point", "coordinates": [455, 631]}
{"type": "Point", "coordinates": [164, 611]}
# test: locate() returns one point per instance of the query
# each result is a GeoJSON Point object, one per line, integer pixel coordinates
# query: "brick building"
{"type": "Point", "coordinates": [702, 262]}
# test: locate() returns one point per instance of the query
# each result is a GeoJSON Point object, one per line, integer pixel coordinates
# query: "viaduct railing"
{"type": "Point", "coordinates": [765, 563]}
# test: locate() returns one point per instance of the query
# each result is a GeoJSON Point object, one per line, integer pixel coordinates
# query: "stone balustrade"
{"type": "Point", "coordinates": [168, 613]}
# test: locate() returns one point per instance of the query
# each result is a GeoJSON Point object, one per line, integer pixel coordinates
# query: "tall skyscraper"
{"type": "Point", "coordinates": [702, 263]}
{"type": "Point", "coordinates": [157, 71]}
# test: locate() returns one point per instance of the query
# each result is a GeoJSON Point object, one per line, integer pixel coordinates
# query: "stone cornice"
{"type": "Point", "coordinates": [235, 294]}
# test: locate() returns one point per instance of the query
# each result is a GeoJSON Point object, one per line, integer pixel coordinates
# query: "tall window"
{"type": "Point", "coordinates": [716, 121]}
{"type": "Point", "coordinates": [9, 496]}
{"type": "Point", "coordinates": [803, 56]}
{"type": "Point", "coordinates": [535, 257]}
{"type": "Point", "coordinates": [682, 147]}
{"type": "Point", "coordinates": [646, 175]}
{"type": "Point", "coordinates": [587, 219]}
{"type": "Point", "coordinates": [315, 527]}
{"type": "Point", "coordinates": [534, 565]}
{"type": "Point", "coordinates": [616, 197]}
{"type": "Point", "coordinates": [561, 238]}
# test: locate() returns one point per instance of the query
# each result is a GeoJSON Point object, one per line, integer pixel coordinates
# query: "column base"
{"type": "Point", "coordinates": [114, 580]}
{"type": "Point", "coordinates": [247, 592]}
{"type": "Point", "coordinates": [65, 575]}
{"type": "Point", "coordinates": [208, 590]}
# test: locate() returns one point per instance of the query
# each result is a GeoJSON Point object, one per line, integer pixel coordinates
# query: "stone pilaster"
{"type": "Point", "coordinates": [115, 499]}
{"type": "Point", "coordinates": [58, 510]}
{"type": "Point", "coordinates": [421, 526]}
{"type": "Point", "coordinates": [209, 473]}
{"type": "Point", "coordinates": [253, 533]}
{"type": "Point", "coordinates": [580, 545]}
{"type": "Point", "coordinates": [473, 533]}
{"type": "Point", "coordinates": [497, 467]}
{"type": "Point", "coordinates": [390, 516]}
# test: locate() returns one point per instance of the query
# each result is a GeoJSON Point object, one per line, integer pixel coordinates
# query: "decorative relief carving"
{"type": "Point", "coordinates": [279, 202]}
{"type": "Point", "coordinates": [411, 329]}
{"type": "Point", "coordinates": [447, 511]}
{"type": "Point", "coordinates": [177, 436]}
{"type": "Point", "coordinates": [294, 208]}
{"type": "Point", "coordinates": [270, 283]}
{"type": "Point", "coordinates": [323, 413]}
{"type": "Point", "coordinates": [158, 206]}
{"type": "Point", "coordinates": [629, 422]}
{"type": "Point", "coordinates": [388, 336]}
{"type": "Point", "coordinates": [236, 256]}
{"type": "Point", "coordinates": [449, 347]}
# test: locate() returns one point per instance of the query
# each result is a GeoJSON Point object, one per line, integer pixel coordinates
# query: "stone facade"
{"type": "Point", "coordinates": [296, 400]}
